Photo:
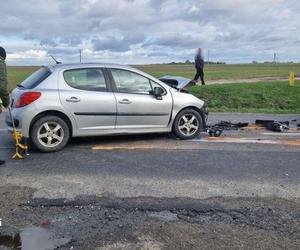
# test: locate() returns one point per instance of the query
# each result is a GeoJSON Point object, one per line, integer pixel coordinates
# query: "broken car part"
{"type": "Point", "coordinates": [214, 132]}
{"type": "Point", "coordinates": [217, 129]}
{"type": "Point", "coordinates": [276, 126]}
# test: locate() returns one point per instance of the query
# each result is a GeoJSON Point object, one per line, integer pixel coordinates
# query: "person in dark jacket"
{"type": "Point", "coordinates": [4, 95]}
{"type": "Point", "coordinates": [199, 65]}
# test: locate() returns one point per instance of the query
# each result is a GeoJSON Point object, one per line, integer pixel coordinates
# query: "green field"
{"type": "Point", "coordinates": [213, 72]}
{"type": "Point", "coordinates": [16, 74]}
{"type": "Point", "coordinates": [260, 97]}
{"type": "Point", "coordinates": [268, 97]}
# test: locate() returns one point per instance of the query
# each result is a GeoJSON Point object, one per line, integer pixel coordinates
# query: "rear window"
{"type": "Point", "coordinates": [36, 78]}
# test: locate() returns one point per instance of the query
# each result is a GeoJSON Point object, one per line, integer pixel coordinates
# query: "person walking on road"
{"type": "Point", "coordinates": [4, 95]}
{"type": "Point", "coordinates": [199, 65]}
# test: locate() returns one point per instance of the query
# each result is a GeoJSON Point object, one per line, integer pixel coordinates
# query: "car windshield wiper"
{"type": "Point", "coordinates": [20, 86]}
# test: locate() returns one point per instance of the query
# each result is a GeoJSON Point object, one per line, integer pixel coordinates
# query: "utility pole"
{"type": "Point", "coordinates": [80, 55]}
{"type": "Point", "coordinates": [207, 56]}
{"type": "Point", "coordinates": [275, 58]}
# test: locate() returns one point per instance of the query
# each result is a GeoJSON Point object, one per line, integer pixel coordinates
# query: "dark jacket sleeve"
{"type": "Point", "coordinates": [4, 94]}
{"type": "Point", "coordinates": [199, 62]}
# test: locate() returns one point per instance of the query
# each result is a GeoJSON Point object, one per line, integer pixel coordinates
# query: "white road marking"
{"type": "Point", "coordinates": [244, 140]}
{"type": "Point", "coordinates": [282, 134]}
{"type": "Point", "coordinates": [238, 140]}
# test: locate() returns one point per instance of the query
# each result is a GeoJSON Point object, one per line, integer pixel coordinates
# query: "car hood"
{"type": "Point", "coordinates": [177, 82]}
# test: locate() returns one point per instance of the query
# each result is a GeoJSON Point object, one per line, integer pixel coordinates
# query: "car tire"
{"type": "Point", "coordinates": [50, 134]}
{"type": "Point", "coordinates": [187, 124]}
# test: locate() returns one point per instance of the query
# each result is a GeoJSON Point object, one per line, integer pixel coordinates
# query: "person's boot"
{"type": "Point", "coordinates": [202, 81]}
{"type": "Point", "coordinates": [2, 162]}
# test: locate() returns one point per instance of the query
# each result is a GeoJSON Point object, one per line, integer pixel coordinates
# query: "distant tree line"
{"type": "Point", "coordinates": [189, 62]}
{"type": "Point", "coordinates": [271, 62]}
{"type": "Point", "coordinates": [212, 62]}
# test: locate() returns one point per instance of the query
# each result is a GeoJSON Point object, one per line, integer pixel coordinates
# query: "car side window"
{"type": "Point", "coordinates": [91, 79]}
{"type": "Point", "coordinates": [130, 82]}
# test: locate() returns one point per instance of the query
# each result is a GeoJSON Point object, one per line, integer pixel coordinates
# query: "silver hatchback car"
{"type": "Point", "coordinates": [72, 100]}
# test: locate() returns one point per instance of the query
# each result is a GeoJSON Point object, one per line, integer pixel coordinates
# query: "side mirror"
{"type": "Point", "coordinates": [157, 92]}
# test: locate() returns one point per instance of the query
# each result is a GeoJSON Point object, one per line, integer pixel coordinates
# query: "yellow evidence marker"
{"type": "Point", "coordinates": [21, 146]}
{"type": "Point", "coordinates": [292, 79]}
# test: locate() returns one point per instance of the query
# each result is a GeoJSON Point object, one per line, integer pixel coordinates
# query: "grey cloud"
{"type": "Point", "coordinates": [112, 44]}
{"type": "Point", "coordinates": [153, 29]}
{"type": "Point", "coordinates": [158, 54]}
{"type": "Point", "coordinates": [48, 42]}
{"type": "Point", "coordinates": [121, 42]}
{"type": "Point", "coordinates": [62, 51]}
{"type": "Point", "coordinates": [71, 40]}
{"type": "Point", "coordinates": [176, 40]}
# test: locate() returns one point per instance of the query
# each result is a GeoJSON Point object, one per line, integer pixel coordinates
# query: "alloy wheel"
{"type": "Point", "coordinates": [50, 134]}
{"type": "Point", "coordinates": [188, 124]}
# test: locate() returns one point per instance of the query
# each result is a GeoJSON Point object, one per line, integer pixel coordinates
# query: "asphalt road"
{"type": "Point", "coordinates": [239, 191]}
{"type": "Point", "coordinates": [160, 166]}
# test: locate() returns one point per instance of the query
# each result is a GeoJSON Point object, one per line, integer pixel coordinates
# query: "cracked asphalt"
{"type": "Point", "coordinates": [219, 195]}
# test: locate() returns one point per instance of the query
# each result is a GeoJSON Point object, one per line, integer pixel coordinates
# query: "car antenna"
{"type": "Point", "coordinates": [57, 62]}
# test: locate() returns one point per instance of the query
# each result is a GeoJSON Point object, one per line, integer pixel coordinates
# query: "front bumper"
{"type": "Point", "coordinates": [205, 113]}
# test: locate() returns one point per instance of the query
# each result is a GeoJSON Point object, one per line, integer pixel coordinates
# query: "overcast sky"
{"type": "Point", "coordinates": [148, 31]}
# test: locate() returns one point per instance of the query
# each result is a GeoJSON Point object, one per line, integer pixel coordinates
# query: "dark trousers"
{"type": "Point", "coordinates": [199, 73]}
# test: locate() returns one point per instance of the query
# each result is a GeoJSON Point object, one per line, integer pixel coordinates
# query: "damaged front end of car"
{"type": "Point", "coordinates": [178, 82]}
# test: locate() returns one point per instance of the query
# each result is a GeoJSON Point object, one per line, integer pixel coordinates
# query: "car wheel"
{"type": "Point", "coordinates": [188, 124]}
{"type": "Point", "coordinates": [50, 134]}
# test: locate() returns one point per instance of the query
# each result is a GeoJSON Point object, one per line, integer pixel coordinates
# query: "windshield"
{"type": "Point", "coordinates": [36, 78]}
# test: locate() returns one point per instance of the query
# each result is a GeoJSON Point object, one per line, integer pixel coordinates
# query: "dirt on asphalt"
{"type": "Point", "coordinates": [90, 222]}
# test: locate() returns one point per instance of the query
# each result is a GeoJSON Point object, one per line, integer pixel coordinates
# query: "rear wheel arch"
{"type": "Point", "coordinates": [52, 113]}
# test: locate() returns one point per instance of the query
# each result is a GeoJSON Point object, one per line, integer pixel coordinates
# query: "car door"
{"type": "Point", "coordinates": [86, 94]}
{"type": "Point", "coordinates": [137, 107]}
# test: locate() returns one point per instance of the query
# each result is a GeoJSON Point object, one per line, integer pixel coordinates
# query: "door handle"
{"type": "Point", "coordinates": [73, 99]}
{"type": "Point", "coordinates": [124, 101]}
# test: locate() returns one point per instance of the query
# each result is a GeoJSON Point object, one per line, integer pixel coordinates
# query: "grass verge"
{"type": "Point", "coordinates": [260, 97]}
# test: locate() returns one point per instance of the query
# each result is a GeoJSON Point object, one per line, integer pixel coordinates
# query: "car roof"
{"type": "Point", "coordinates": [63, 67]}
{"type": "Point", "coordinates": [88, 65]}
